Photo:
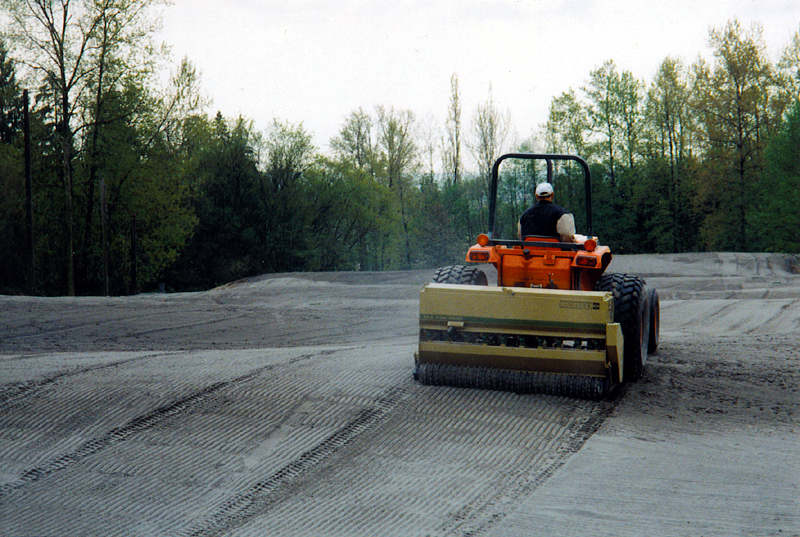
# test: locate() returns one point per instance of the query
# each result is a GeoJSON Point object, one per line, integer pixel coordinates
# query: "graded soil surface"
{"type": "Point", "coordinates": [285, 405]}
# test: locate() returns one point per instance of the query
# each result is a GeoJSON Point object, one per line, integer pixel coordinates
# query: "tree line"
{"type": "Point", "coordinates": [135, 186]}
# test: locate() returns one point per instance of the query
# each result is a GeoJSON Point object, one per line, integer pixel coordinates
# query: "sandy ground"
{"type": "Point", "coordinates": [284, 405]}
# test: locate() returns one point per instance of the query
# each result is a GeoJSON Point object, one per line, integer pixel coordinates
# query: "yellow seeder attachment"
{"type": "Point", "coordinates": [526, 340]}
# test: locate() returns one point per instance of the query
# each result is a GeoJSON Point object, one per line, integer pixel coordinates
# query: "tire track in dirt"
{"type": "Point", "coordinates": [11, 393]}
{"type": "Point", "coordinates": [250, 503]}
{"type": "Point", "coordinates": [444, 461]}
{"type": "Point", "coordinates": [126, 322]}
{"type": "Point", "coordinates": [141, 423]}
{"type": "Point", "coordinates": [349, 427]}
{"type": "Point", "coordinates": [49, 323]}
{"type": "Point", "coordinates": [558, 443]}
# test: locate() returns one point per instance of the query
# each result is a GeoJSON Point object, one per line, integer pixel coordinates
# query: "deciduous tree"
{"type": "Point", "coordinates": [667, 191]}
{"type": "Point", "coordinates": [604, 111]}
{"type": "Point", "coordinates": [451, 151]}
{"type": "Point", "coordinates": [567, 126]}
{"type": "Point", "coordinates": [738, 113]}
{"type": "Point", "coordinates": [778, 219]}
{"type": "Point", "coordinates": [396, 140]}
{"type": "Point", "coordinates": [490, 127]}
{"type": "Point", "coordinates": [355, 140]}
{"type": "Point", "coordinates": [81, 52]}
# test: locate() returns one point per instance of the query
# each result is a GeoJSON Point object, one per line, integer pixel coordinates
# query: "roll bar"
{"type": "Point", "coordinates": [549, 158]}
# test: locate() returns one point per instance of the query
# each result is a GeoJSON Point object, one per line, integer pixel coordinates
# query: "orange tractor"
{"type": "Point", "coordinates": [554, 324]}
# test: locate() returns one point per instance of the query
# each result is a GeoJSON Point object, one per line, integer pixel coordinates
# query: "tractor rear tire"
{"type": "Point", "coordinates": [461, 275]}
{"type": "Point", "coordinates": [655, 321]}
{"type": "Point", "coordinates": [632, 312]}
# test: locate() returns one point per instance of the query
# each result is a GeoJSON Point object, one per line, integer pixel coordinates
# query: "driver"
{"type": "Point", "coordinates": [546, 218]}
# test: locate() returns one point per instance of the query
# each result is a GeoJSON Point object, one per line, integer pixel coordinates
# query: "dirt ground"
{"type": "Point", "coordinates": [284, 405]}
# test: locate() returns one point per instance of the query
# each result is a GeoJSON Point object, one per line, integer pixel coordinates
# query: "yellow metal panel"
{"type": "Point", "coordinates": [614, 349]}
{"type": "Point", "coordinates": [576, 315]}
{"type": "Point", "coordinates": [579, 313]}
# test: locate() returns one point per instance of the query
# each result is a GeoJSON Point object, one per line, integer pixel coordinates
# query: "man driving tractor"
{"type": "Point", "coordinates": [546, 219]}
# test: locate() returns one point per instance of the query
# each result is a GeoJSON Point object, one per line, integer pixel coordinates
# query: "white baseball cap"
{"type": "Point", "coordinates": [543, 190]}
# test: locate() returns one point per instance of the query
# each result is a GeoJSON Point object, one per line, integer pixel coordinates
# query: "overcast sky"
{"type": "Point", "coordinates": [316, 61]}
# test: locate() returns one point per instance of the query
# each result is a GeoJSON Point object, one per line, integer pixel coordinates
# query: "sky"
{"type": "Point", "coordinates": [316, 61]}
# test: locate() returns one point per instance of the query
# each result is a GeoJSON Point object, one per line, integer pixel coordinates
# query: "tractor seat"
{"type": "Point", "coordinates": [540, 238]}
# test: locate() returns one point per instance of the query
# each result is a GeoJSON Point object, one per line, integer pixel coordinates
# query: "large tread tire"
{"type": "Point", "coordinates": [632, 312]}
{"type": "Point", "coordinates": [461, 275]}
{"type": "Point", "coordinates": [655, 321]}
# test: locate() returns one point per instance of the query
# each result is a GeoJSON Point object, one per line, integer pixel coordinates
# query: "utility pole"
{"type": "Point", "coordinates": [26, 132]}
{"type": "Point", "coordinates": [104, 224]}
{"type": "Point", "coordinates": [134, 286]}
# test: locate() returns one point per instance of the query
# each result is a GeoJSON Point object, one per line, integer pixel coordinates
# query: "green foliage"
{"type": "Point", "coordinates": [10, 98]}
{"type": "Point", "coordinates": [226, 197]}
{"type": "Point", "coordinates": [13, 269]}
{"type": "Point", "coordinates": [435, 238]}
{"type": "Point", "coordinates": [705, 157]}
{"type": "Point", "coordinates": [778, 218]}
{"type": "Point", "coordinates": [567, 126]}
{"type": "Point", "coordinates": [347, 211]}
{"type": "Point", "coordinates": [739, 110]}
{"type": "Point", "coordinates": [12, 189]}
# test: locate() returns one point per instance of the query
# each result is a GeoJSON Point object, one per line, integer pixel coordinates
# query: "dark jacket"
{"type": "Point", "coordinates": [541, 219]}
